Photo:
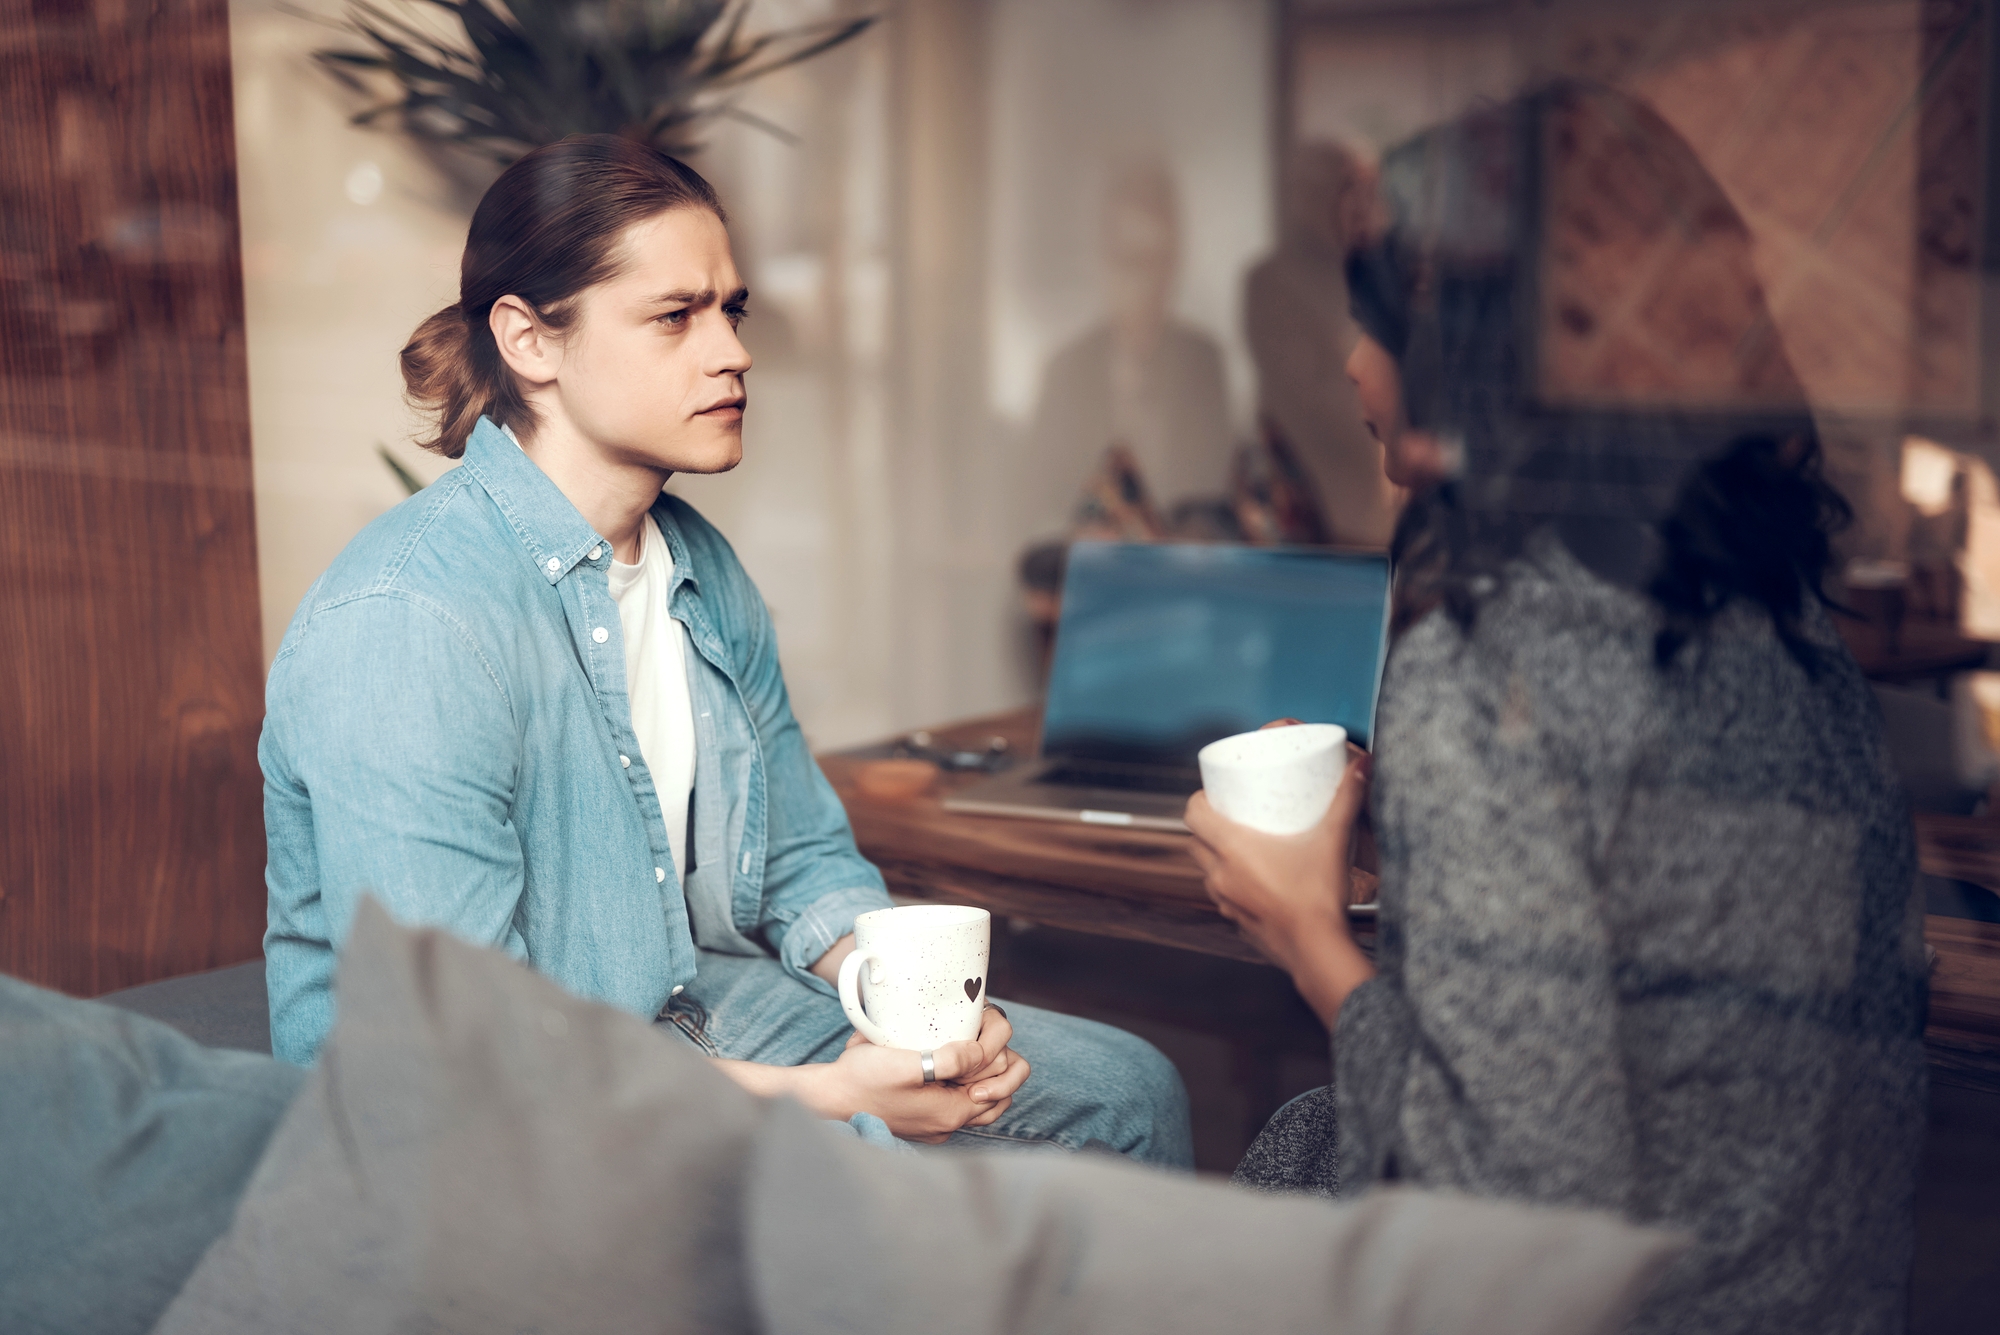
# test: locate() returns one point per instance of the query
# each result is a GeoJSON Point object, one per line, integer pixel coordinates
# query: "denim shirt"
{"type": "Point", "coordinates": [448, 729]}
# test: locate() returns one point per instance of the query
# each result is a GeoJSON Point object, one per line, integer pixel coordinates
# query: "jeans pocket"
{"type": "Point", "coordinates": [691, 1018]}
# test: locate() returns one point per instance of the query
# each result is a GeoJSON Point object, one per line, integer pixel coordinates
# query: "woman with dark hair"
{"type": "Point", "coordinates": [539, 703]}
{"type": "Point", "coordinates": [1646, 937]}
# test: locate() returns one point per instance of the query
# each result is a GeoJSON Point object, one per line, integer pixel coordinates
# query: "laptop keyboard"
{"type": "Point", "coordinates": [1071, 774]}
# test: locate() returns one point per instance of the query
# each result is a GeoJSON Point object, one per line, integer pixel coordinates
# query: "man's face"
{"type": "Point", "coordinates": [652, 371]}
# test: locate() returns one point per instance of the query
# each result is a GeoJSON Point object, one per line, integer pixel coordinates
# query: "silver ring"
{"type": "Point", "coordinates": [930, 1068]}
{"type": "Point", "coordinates": [1003, 1014]}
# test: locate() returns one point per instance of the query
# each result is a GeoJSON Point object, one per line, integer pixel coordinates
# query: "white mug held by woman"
{"type": "Point", "coordinates": [1278, 780]}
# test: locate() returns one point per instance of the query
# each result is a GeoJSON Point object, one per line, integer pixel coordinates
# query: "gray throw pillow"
{"type": "Point", "coordinates": [845, 1239]}
{"type": "Point", "coordinates": [477, 1151]}
{"type": "Point", "coordinates": [123, 1149]}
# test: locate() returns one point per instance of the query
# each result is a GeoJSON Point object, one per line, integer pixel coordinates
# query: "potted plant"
{"type": "Point", "coordinates": [531, 72]}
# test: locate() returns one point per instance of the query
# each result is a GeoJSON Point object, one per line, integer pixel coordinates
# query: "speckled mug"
{"type": "Point", "coordinates": [917, 977]}
{"type": "Point", "coordinates": [1278, 780]}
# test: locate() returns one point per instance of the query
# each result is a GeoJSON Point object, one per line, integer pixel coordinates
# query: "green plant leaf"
{"type": "Point", "coordinates": [537, 70]}
{"type": "Point", "coordinates": [411, 482]}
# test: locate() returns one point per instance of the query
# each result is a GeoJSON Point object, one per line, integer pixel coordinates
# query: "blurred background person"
{"type": "Point", "coordinates": [1299, 330]}
{"type": "Point", "coordinates": [1140, 382]}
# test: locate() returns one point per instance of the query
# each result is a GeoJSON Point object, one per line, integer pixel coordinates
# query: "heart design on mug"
{"type": "Point", "coordinates": [972, 989]}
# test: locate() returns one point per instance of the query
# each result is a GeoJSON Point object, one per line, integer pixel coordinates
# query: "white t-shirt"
{"type": "Point", "coordinates": [656, 678]}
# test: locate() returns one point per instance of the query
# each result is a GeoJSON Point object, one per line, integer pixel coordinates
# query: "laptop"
{"type": "Point", "coordinates": [1163, 648]}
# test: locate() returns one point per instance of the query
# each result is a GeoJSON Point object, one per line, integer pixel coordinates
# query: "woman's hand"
{"type": "Point", "coordinates": [975, 1084]}
{"type": "Point", "coordinates": [1289, 893]}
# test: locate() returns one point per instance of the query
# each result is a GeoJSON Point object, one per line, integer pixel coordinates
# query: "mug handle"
{"type": "Point", "coordinates": [850, 998]}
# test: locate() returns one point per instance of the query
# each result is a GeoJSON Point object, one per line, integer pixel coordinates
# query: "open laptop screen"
{"type": "Point", "coordinates": [1162, 648]}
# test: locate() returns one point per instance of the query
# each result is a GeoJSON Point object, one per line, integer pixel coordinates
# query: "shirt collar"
{"type": "Point", "coordinates": [663, 515]}
{"type": "Point", "coordinates": [555, 535]}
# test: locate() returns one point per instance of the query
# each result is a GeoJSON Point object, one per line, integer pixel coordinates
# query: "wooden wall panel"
{"type": "Point", "coordinates": [131, 832]}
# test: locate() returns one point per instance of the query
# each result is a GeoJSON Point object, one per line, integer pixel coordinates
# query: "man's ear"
{"type": "Point", "coordinates": [530, 350]}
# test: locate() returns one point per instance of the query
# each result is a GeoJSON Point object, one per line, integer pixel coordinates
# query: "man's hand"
{"type": "Point", "coordinates": [1289, 893]}
{"type": "Point", "coordinates": [976, 1082]}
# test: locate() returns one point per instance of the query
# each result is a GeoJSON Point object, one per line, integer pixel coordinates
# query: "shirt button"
{"type": "Point", "coordinates": [678, 989]}
{"type": "Point", "coordinates": [596, 552]}
{"type": "Point", "coordinates": [554, 565]}
{"type": "Point", "coordinates": [600, 635]}
{"type": "Point", "coordinates": [659, 875]}
{"type": "Point", "coordinates": [625, 762]}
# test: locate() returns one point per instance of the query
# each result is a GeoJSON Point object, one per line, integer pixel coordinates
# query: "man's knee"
{"type": "Point", "coordinates": [1125, 1074]}
{"type": "Point", "coordinates": [1143, 1068]}
{"type": "Point", "coordinates": [1151, 1102]}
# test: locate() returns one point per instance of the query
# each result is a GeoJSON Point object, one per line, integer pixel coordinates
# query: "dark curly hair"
{"type": "Point", "coordinates": [1755, 522]}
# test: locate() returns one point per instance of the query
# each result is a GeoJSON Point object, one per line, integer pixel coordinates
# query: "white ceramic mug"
{"type": "Point", "coordinates": [1280, 780]}
{"type": "Point", "coordinates": [917, 977]}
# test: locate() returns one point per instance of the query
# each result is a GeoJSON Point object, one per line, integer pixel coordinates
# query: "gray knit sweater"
{"type": "Point", "coordinates": [1648, 942]}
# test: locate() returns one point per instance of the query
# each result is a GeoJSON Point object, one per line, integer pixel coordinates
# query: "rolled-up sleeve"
{"type": "Point", "coordinates": [802, 941]}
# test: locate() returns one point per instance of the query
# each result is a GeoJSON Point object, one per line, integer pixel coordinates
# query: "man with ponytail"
{"type": "Point", "coordinates": [539, 703]}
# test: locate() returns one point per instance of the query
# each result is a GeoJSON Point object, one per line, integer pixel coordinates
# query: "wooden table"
{"type": "Point", "coordinates": [1137, 884]}
{"type": "Point", "coordinates": [1964, 1032]}
{"type": "Point", "coordinates": [1922, 649]}
{"type": "Point", "coordinates": [1142, 885]}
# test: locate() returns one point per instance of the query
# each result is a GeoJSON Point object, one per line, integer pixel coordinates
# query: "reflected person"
{"type": "Point", "coordinates": [539, 703]}
{"type": "Point", "coordinates": [1141, 380]}
{"type": "Point", "coordinates": [1296, 320]}
{"type": "Point", "coordinates": [1647, 938]}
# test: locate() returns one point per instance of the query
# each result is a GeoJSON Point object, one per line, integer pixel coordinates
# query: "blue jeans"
{"type": "Point", "coordinates": [1091, 1084]}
